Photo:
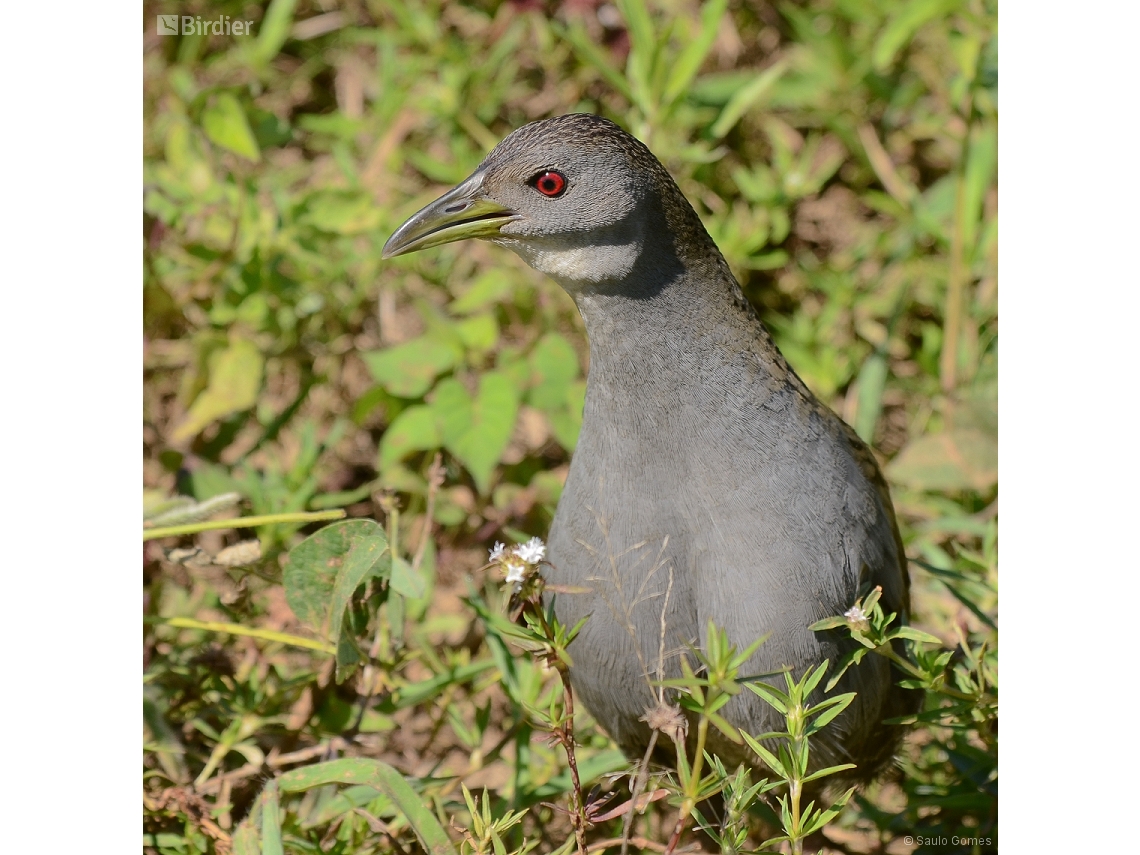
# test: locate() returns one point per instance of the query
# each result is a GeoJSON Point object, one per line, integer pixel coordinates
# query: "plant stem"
{"type": "Point", "coordinates": [955, 284]}
{"type": "Point", "coordinates": [243, 522]}
{"type": "Point", "coordinates": [795, 790]}
{"type": "Point", "coordinates": [238, 629]}
{"type": "Point", "coordinates": [579, 814]}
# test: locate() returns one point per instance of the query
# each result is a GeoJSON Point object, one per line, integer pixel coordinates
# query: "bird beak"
{"type": "Point", "coordinates": [461, 213]}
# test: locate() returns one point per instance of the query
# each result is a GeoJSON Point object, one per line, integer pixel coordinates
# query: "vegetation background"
{"type": "Point", "coordinates": [843, 156]}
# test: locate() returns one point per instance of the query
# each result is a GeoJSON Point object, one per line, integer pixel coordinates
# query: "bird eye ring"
{"type": "Point", "coordinates": [550, 183]}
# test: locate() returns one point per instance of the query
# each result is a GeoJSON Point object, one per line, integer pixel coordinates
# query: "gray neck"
{"type": "Point", "coordinates": [686, 312]}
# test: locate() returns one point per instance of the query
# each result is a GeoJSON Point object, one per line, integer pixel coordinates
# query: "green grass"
{"type": "Point", "coordinates": [842, 155]}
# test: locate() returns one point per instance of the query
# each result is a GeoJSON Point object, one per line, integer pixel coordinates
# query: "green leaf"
{"type": "Point", "coordinates": [344, 212]}
{"type": "Point", "coordinates": [246, 840]}
{"type": "Point", "coordinates": [488, 290]}
{"type": "Point", "coordinates": [270, 821]}
{"type": "Point", "coordinates": [479, 333]}
{"type": "Point", "coordinates": [689, 62]}
{"type": "Point", "coordinates": [554, 366]}
{"type": "Point", "coordinates": [567, 423]}
{"type": "Point", "coordinates": [425, 690]}
{"type": "Point", "coordinates": [322, 568]}
{"type": "Point", "coordinates": [405, 580]}
{"type": "Point", "coordinates": [828, 623]}
{"type": "Point", "coordinates": [225, 123]}
{"type": "Point", "coordinates": [824, 817]}
{"type": "Point", "coordinates": [981, 167]}
{"type": "Point", "coordinates": [767, 756]}
{"type": "Point", "coordinates": [775, 698]}
{"type": "Point", "coordinates": [871, 382]}
{"type": "Point", "coordinates": [591, 55]}
{"type": "Point", "coordinates": [413, 430]}
{"type": "Point", "coordinates": [958, 459]}
{"type": "Point", "coordinates": [274, 29]}
{"type": "Point", "coordinates": [235, 380]}
{"type": "Point", "coordinates": [746, 97]}
{"type": "Point", "coordinates": [812, 680]}
{"type": "Point", "coordinates": [381, 776]}
{"type": "Point", "coordinates": [367, 556]}
{"type": "Point", "coordinates": [825, 716]}
{"type": "Point", "coordinates": [477, 430]}
{"type": "Point", "coordinates": [853, 657]}
{"type": "Point", "coordinates": [916, 635]}
{"type": "Point", "coordinates": [408, 370]}
{"type": "Point", "coordinates": [348, 656]}
{"type": "Point", "coordinates": [902, 27]}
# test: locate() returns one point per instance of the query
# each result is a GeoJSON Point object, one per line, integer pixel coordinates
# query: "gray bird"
{"type": "Point", "coordinates": [708, 481]}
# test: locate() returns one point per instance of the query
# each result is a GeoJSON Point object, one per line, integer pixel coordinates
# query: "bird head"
{"type": "Point", "coordinates": [575, 196]}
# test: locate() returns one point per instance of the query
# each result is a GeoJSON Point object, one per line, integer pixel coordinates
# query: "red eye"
{"type": "Point", "coordinates": [550, 183]}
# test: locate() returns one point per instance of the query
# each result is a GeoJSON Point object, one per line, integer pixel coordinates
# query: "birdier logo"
{"type": "Point", "coordinates": [194, 25]}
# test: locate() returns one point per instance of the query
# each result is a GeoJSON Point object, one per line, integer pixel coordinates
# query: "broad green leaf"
{"type": "Point", "coordinates": [225, 124]}
{"type": "Point", "coordinates": [381, 776]}
{"type": "Point", "coordinates": [345, 212]}
{"type": "Point", "coordinates": [413, 430]}
{"type": "Point", "coordinates": [404, 580]}
{"type": "Point", "coordinates": [343, 802]}
{"type": "Point", "coordinates": [477, 430]}
{"type": "Point", "coordinates": [479, 332]}
{"type": "Point", "coordinates": [408, 370]}
{"type": "Point", "coordinates": [486, 291]}
{"type": "Point", "coordinates": [314, 587]}
{"type": "Point", "coordinates": [367, 556]}
{"type": "Point", "coordinates": [554, 366]}
{"type": "Point", "coordinates": [567, 423]}
{"type": "Point", "coordinates": [959, 459]}
{"type": "Point", "coordinates": [348, 656]}
{"type": "Point", "coordinates": [235, 379]}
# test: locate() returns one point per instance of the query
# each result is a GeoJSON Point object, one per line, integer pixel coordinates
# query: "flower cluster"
{"type": "Point", "coordinates": [519, 563]}
{"type": "Point", "coordinates": [857, 618]}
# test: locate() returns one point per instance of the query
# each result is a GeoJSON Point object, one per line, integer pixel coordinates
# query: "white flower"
{"type": "Point", "coordinates": [516, 572]}
{"type": "Point", "coordinates": [857, 618]}
{"type": "Point", "coordinates": [532, 552]}
{"type": "Point", "coordinates": [497, 552]}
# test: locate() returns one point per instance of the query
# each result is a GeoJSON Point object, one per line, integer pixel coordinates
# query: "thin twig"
{"type": "Point", "coordinates": [639, 842]}
{"type": "Point", "coordinates": [642, 779]}
{"type": "Point", "coordinates": [435, 481]}
{"type": "Point", "coordinates": [639, 784]}
{"type": "Point", "coordinates": [567, 738]}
